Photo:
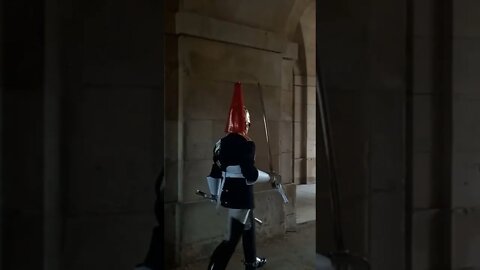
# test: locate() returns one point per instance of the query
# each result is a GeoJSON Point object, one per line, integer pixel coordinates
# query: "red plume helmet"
{"type": "Point", "coordinates": [236, 122]}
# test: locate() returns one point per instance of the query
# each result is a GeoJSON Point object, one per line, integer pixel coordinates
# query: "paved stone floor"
{"type": "Point", "coordinates": [305, 203]}
{"type": "Point", "coordinates": [294, 251]}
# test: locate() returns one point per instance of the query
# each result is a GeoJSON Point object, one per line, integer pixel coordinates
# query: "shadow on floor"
{"type": "Point", "coordinates": [305, 203]}
{"type": "Point", "coordinates": [293, 251]}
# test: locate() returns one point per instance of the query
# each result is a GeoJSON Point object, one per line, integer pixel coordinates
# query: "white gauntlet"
{"type": "Point", "coordinates": [263, 177]}
{"type": "Point", "coordinates": [213, 184]}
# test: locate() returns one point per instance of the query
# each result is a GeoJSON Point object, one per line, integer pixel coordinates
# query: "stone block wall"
{"type": "Point", "coordinates": [465, 187]}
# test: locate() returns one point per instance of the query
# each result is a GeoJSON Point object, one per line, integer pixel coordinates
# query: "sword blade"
{"type": "Point", "coordinates": [265, 126]}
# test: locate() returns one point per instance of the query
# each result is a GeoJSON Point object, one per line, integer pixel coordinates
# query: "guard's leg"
{"type": "Point", "coordinates": [223, 252]}
{"type": "Point", "coordinates": [249, 248]}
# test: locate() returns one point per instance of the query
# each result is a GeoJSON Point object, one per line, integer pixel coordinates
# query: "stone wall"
{"type": "Point", "coordinates": [363, 65]}
{"type": "Point", "coordinates": [82, 115]}
{"type": "Point", "coordinates": [465, 162]}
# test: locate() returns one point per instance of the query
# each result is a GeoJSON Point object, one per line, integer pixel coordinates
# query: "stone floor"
{"type": "Point", "coordinates": [305, 203]}
{"type": "Point", "coordinates": [294, 251]}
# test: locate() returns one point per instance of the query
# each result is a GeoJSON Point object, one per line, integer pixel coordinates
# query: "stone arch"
{"type": "Point", "coordinates": [301, 30]}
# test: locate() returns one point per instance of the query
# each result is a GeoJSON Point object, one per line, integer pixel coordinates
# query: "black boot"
{"type": "Point", "coordinates": [259, 263]}
{"type": "Point", "coordinates": [251, 262]}
{"type": "Point", "coordinates": [250, 266]}
{"type": "Point", "coordinates": [223, 252]}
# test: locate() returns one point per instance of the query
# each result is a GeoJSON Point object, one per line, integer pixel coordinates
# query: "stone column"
{"type": "Point", "coordinates": [386, 139]}
{"type": "Point", "coordinates": [429, 128]}
{"type": "Point", "coordinates": [23, 135]}
{"type": "Point", "coordinates": [362, 51]}
{"type": "Point", "coordinates": [52, 206]}
{"type": "Point", "coordinates": [465, 160]}
{"type": "Point", "coordinates": [286, 128]}
{"type": "Point", "coordinates": [2, 180]}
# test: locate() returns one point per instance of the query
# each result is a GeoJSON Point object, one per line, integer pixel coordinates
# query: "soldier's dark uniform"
{"type": "Point", "coordinates": [231, 180]}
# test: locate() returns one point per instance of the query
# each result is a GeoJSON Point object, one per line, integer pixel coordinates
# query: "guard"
{"type": "Point", "coordinates": [231, 181]}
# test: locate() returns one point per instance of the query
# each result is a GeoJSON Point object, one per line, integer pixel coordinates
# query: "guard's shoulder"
{"type": "Point", "coordinates": [250, 143]}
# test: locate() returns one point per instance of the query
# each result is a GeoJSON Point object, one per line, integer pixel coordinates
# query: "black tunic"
{"type": "Point", "coordinates": [231, 150]}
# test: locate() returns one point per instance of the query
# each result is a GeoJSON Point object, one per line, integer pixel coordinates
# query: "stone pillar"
{"type": "Point", "coordinates": [52, 206]}
{"type": "Point", "coordinates": [112, 130]}
{"type": "Point", "coordinates": [385, 107]}
{"type": "Point", "coordinates": [363, 63]}
{"type": "Point", "coordinates": [2, 180]}
{"type": "Point", "coordinates": [300, 129]}
{"type": "Point", "coordinates": [342, 49]}
{"type": "Point", "coordinates": [465, 160]}
{"type": "Point", "coordinates": [429, 191]}
{"type": "Point", "coordinates": [305, 99]}
{"type": "Point", "coordinates": [23, 135]}
{"type": "Point", "coordinates": [286, 128]}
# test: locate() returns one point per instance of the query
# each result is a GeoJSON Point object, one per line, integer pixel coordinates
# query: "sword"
{"type": "Point", "coordinates": [214, 198]}
{"type": "Point", "coordinates": [277, 182]}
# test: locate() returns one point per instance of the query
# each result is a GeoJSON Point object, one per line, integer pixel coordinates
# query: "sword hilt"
{"type": "Point", "coordinates": [204, 195]}
{"type": "Point", "coordinates": [207, 196]}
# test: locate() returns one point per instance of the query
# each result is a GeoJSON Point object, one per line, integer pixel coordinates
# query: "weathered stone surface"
{"type": "Point", "coordinates": [172, 175]}
{"type": "Point", "coordinates": [287, 75]}
{"type": "Point", "coordinates": [194, 173]}
{"type": "Point", "coordinates": [428, 239]}
{"type": "Point", "coordinates": [299, 170]}
{"type": "Point", "coordinates": [114, 49]}
{"type": "Point", "coordinates": [224, 31]}
{"type": "Point", "coordinates": [198, 140]}
{"type": "Point", "coordinates": [291, 51]}
{"type": "Point", "coordinates": [285, 137]}
{"type": "Point", "coordinates": [465, 179]}
{"type": "Point", "coordinates": [202, 222]}
{"type": "Point", "coordinates": [209, 60]}
{"type": "Point", "coordinates": [465, 238]}
{"type": "Point", "coordinates": [424, 12]}
{"type": "Point", "coordinates": [286, 112]}
{"type": "Point", "coordinates": [259, 15]}
{"type": "Point", "coordinates": [299, 150]}
{"type": "Point", "coordinates": [423, 123]}
{"type": "Point", "coordinates": [269, 208]}
{"type": "Point", "coordinates": [109, 143]}
{"type": "Point", "coordinates": [466, 119]}
{"type": "Point", "coordinates": [426, 186]}
{"type": "Point", "coordinates": [466, 62]}
{"type": "Point", "coordinates": [344, 58]}
{"type": "Point", "coordinates": [387, 143]}
{"type": "Point", "coordinates": [23, 232]}
{"type": "Point", "coordinates": [466, 22]}
{"type": "Point", "coordinates": [424, 67]}
{"type": "Point", "coordinates": [286, 167]}
{"type": "Point", "coordinates": [386, 44]}
{"type": "Point", "coordinates": [205, 99]}
{"type": "Point", "coordinates": [88, 238]}
{"type": "Point", "coordinates": [171, 233]}
{"type": "Point", "coordinates": [311, 170]}
{"type": "Point", "coordinates": [307, 50]}
{"type": "Point", "coordinates": [304, 80]}
{"type": "Point", "coordinates": [387, 227]}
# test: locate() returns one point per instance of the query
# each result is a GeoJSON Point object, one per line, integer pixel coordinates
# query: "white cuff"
{"type": "Point", "coordinates": [263, 177]}
{"type": "Point", "coordinates": [213, 185]}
